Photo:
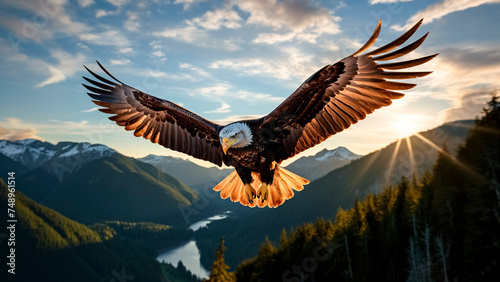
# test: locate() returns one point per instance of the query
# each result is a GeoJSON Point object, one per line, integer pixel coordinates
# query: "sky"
{"type": "Point", "coordinates": [229, 60]}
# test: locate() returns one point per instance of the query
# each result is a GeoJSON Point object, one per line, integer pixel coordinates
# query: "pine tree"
{"type": "Point", "coordinates": [283, 239]}
{"type": "Point", "coordinates": [219, 269]}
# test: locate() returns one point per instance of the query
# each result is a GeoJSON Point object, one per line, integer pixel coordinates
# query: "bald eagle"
{"type": "Point", "coordinates": [332, 99]}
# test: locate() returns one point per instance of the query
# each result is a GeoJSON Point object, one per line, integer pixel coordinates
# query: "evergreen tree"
{"type": "Point", "coordinates": [219, 269]}
{"type": "Point", "coordinates": [283, 239]}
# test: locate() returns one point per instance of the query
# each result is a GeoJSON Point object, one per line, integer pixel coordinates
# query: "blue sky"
{"type": "Point", "coordinates": [231, 59]}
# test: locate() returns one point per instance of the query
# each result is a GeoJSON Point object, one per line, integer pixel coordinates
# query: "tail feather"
{"type": "Point", "coordinates": [279, 191]}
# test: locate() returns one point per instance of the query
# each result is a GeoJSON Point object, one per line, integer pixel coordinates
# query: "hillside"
{"type": "Point", "coordinates": [52, 247]}
{"type": "Point", "coordinates": [7, 165]}
{"type": "Point", "coordinates": [191, 174]}
{"type": "Point", "coordinates": [121, 188]}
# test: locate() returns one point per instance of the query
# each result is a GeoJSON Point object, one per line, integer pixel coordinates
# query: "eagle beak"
{"type": "Point", "coordinates": [225, 145]}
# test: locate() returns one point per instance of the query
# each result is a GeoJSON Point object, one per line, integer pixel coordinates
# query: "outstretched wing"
{"type": "Point", "coordinates": [341, 94]}
{"type": "Point", "coordinates": [158, 120]}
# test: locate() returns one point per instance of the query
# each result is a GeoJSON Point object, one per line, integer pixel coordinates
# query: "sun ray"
{"type": "Point", "coordinates": [371, 159]}
{"type": "Point", "coordinates": [439, 149]}
{"type": "Point", "coordinates": [391, 164]}
{"type": "Point", "coordinates": [414, 168]}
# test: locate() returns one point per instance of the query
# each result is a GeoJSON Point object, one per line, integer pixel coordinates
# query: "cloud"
{"type": "Point", "coordinates": [132, 23]}
{"type": "Point", "coordinates": [68, 65]}
{"type": "Point", "coordinates": [188, 3]}
{"type": "Point", "coordinates": [194, 69]}
{"type": "Point", "coordinates": [158, 53]}
{"type": "Point", "coordinates": [119, 62]}
{"type": "Point", "coordinates": [103, 38]}
{"type": "Point", "coordinates": [469, 106]}
{"type": "Point", "coordinates": [373, 2]}
{"type": "Point", "coordinates": [90, 110]}
{"type": "Point", "coordinates": [126, 50]}
{"type": "Point", "coordinates": [21, 28]}
{"type": "Point", "coordinates": [117, 3]}
{"type": "Point", "coordinates": [51, 19]}
{"type": "Point", "coordinates": [464, 76]}
{"type": "Point", "coordinates": [305, 19]}
{"type": "Point", "coordinates": [272, 38]}
{"type": "Point", "coordinates": [186, 34]}
{"type": "Point", "coordinates": [224, 17]}
{"type": "Point", "coordinates": [224, 108]}
{"type": "Point", "coordinates": [463, 67]}
{"type": "Point", "coordinates": [14, 128]}
{"type": "Point", "coordinates": [198, 37]}
{"type": "Point", "coordinates": [85, 3]}
{"type": "Point", "coordinates": [231, 119]}
{"type": "Point", "coordinates": [103, 13]}
{"type": "Point", "coordinates": [289, 14]}
{"type": "Point", "coordinates": [226, 90]}
{"type": "Point", "coordinates": [441, 9]}
{"type": "Point", "coordinates": [9, 130]}
{"type": "Point", "coordinates": [156, 44]}
{"type": "Point", "coordinates": [291, 63]}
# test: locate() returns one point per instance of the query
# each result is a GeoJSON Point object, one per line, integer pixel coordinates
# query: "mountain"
{"type": "Point", "coordinates": [58, 159]}
{"type": "Point", "coordinates": [92, 182]}
{"type": "Point", "coordinates": [119, 188]}
{"type": "Point", "coordinates": [314, 167]}
{"type": "Point", "coordinates": [51, 247]}
{"type": "Point", "coordinates": [339, 188]}
{"type": "Point", "coordinates": [191, 174]}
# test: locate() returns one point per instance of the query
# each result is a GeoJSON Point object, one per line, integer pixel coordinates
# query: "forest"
{"type": "Point", "coordinates": [444, 226]}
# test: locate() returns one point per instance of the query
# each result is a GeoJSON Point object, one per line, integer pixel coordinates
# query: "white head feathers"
{"type": "Point", "coordinates": [238, 131]}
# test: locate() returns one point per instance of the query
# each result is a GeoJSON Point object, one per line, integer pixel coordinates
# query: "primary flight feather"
{"type": "Point", "coordinates": [331, 100]}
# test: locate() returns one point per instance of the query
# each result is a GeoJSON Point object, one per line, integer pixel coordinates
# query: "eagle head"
{"type": "Point", "coordinates": [236, 135]}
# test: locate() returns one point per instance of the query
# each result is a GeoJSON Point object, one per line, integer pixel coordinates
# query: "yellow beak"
{"type": "Point", "coordinates": [226, 144]}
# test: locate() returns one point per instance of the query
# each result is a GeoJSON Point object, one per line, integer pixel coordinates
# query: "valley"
{"type": "Point", "coordinates": [115, 197]}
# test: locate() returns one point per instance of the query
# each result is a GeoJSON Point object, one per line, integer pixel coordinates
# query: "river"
{"type": "Point", "coordinates": [188, 252]}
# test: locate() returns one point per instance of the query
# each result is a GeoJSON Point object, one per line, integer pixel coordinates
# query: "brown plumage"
{"type": "Point", "coordinates": [331, 100]}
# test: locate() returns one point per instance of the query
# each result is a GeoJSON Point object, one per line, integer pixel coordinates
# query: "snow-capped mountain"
{"type": "Point", "coordinates": [191, 174]}
{"type": "Point", "coordinates": [59, 158]}
{"type": "Point", "coordinates": [314, 167]}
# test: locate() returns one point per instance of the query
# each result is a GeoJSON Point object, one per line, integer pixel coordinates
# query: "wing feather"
{"type": "Point", "coordinates": [341, 94]}
{"type": "Point", "coordinates": [158, 120]}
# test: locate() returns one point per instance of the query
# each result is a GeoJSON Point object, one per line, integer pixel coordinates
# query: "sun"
{"type": "Point", "coordinates": [405, 125]}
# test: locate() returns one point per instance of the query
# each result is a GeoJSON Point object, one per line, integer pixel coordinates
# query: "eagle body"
{"type": "Point", "coordinates": [329, 101]}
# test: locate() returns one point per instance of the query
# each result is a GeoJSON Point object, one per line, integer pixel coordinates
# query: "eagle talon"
{"type": "Point", "coordinates": [263, 192]}
{"type": "Point", "coordinates": [250, 192]}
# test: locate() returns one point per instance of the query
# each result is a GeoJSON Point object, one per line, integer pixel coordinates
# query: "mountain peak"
{"type": "Point", "coordinates": [339, 153]}
{"type": "Point", "coordinates": [155, 159]}
{"type": "Point", "coordinates": [323, 162]}
{"type": "Point", "coordinates": [32, 152]}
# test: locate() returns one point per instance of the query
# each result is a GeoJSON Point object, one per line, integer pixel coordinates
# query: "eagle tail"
{"type": "Point", "coordinates": [280, 190]}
